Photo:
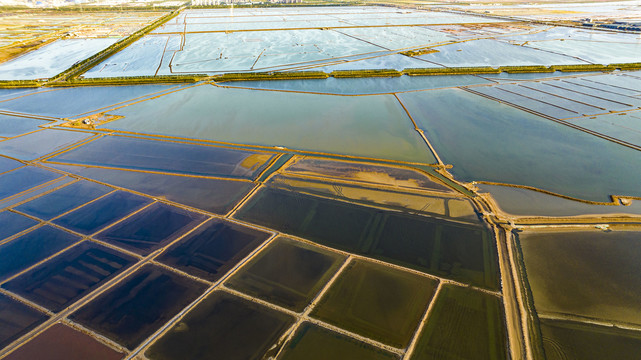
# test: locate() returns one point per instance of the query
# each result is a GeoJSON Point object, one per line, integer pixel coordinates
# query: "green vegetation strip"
{"type": "Point", "coordinates": [365, 73]}
{"type": "Point", "coordinates": [12, 84]}
{"type": "Point", "coordinates": [296, 75]}
{"type": "Point", "coordinates": [96, 59]}
{"type": "Point", "coordinates": [132, 80]}
{"type": "Point", "coordinates": [452, 71]}
{"type": "Point", "coordinates": [71, 79]}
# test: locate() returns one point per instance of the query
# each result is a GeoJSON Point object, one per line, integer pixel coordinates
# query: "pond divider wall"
{"type": "Point", "coordinates": [86, 64]}
{"type": "Point", "coordinates": [71, 75]}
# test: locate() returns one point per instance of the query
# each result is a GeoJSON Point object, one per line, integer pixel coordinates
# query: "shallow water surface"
{"type": "Point", "coordinates": [223, 326]}
{"type": "Point", "coordinates": [463, 316]}
{"type": "Point", "coordinates": [13, 223]}
{"type": "Point", "coordinates": [60, 201]}
{"type": "Point", "coordinates": [217, 196]}
{"type": "Point", "coordinates": [289, 273]}
{"type": "Point", "coordinates": [586, 273]}
{"type": "Point", "coordinates": [135, 308]}
{"type": "Point", "coordinates": [100, 213]}
{"type": "Point", "coordinates": [40, 143]}
{"type": "Point", "coordinates": [16, 319]}
{"type": "Point", "coordinates": [459, 251]}
{"type": "Point", "coordinates": [151, 228]}
{"type": "Point", "coordinates": [61, 281]}
{"type": "Point", "coordinates": [32, 247]}
{"type": "Point", "coordinates": [528, 150]}
{"type": "Point", "coordinates": [213, 249]}
{"type": "Point", "coordinates": [312, 342]}
{"type": "Point", "coordinates": [12, 125]}
{"type": "Point", "coordinates": [367, 126]}
{"type": "Point", "coordinates": [565, 340]}
{"type": "Point", "coordinates": [19, 180]}
{"type": "Point", "coordinates": [61, 342]}
{"type": "Point", "coordinates": [165, 156]}
{"type": "Point", "coordinates": [379, 302]}
{"type": "Point", "coordinates": [85, 99]}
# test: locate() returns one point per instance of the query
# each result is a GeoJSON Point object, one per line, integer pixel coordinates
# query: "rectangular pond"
{"type": "Point", "coordinates": [151, 228]}
{"type": "Point", "coordinates": [463, 316]}
{"type": "Point", "coordinates": [223, 326]}
{"type": "Point", "coordinates": [11, 126]}
{"type": "Point", "coordinates": [213, 249]}
{"type": "Point", "coordinates": [31, 248]}
{"type": "Point", "coordinates": [167, 156]}
{"type": "Point", "coordinates": [312, 342]}
{"type": "Point", "coordinates": [73, 101]}
{"type": "Point", "coordinates": [362, 86]}
{"type": "Point", "coordinates": [102, 212]}
{"type": "Point", "coordinates": [66, 278]}
{"type": "Point", "coordinates": [464, 252]}
{"type": "Point", "coordinates": [364, 126]}
{"type": "Point", "coordinates": [63, 342]}
{"type": "Point", "coordinates": [214, 195]}
{"type": "Point", "coordinates": [585, 273]}
{"type": "Point", "coordinates": [135, 308]}
{"type": "Point", "coordinates": [22, 179]}
{"type": "Point", "coordinates": [16, 319]}
{"type": "Point", "coordinates": [464, 128]}
{"type": "Point", "coordinates": [13, 223]}
{"type": "Point", "coordinates": [574, 340]}
{"type": "Point", "coordinates": [288, 273]}
{"type": "Point", "coordinates": [41, 143]}
{"type": "Point", "coordinates": [52, 59]}
{"type": "Point", "coordinates": [60, 201]}
{"type": "Point", "coordinates": [378, 302]}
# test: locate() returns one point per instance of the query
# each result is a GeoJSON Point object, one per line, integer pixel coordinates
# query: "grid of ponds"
{"type": "Point", "coordinates": [220, 41]}
{"type": "Point", "coordinates": [110, 269]}
{"type": "Point", "coordinates": [349, 218]}
{"type": "Point", "coordinates": [585, 290]}
{"type": "Point", "coordinates": [348, 225]}
{"type": "Point", "coordinates": [41, 44]}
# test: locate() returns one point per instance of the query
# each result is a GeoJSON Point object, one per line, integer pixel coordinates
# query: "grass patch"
{"type": "Point", "coordinates": [365, 73]}
{"type": "Point", "coordinates": [272, 76]}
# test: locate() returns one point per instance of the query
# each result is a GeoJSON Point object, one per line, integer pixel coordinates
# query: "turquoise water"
{"type": "Point", "coordinates": [486, 140]}
{"type": "Point", "coordinates": [524, 202]}
{"type": "Point", "coordinates": [622, 126]}
{"type": "Point", "coordinates": [365, 126]}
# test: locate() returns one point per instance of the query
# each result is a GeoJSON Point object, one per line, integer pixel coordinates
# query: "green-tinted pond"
{"type": "Point", "coordinates": [379, 302]}
{"type": "Point", "coordinates": [464, 324]}
{"type": "Point", "coordinates": [587, 273]}
{"type": "Point", "coordinates": [289, 273]}
{"type": "Point", "coordinates": [312, 342]}
{"type": "Point", "coordinates": [222, 326]}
